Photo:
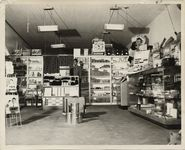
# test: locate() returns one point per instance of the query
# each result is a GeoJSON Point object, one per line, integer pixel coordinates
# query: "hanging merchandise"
{"type": "Point", "coordinates": [11, 84]}
{"type": "Point", "coordinates": [12, 104]}
{"type": "Point", "coordinates": [9, 67]}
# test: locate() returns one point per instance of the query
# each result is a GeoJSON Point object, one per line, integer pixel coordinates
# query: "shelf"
{"type": "Point", "coordinates": [100, 62]}
{"type": "Point", "coordinates": [100, 103]}
{"type": "Point", "coordinates": [101, 90]}
{"type": "Point", "coordinates": [108, 96]}
{"type": "Point", "coordinates": [35, 70]}
{"type": "Point", "coordinates": [117, 76]}
{"type": "Point", "coordinates": [50, 86]}
{"type": "Point", "coordinates": [155, 97]}
{"type": "Point", "coordinates": [101, 83]}
{"type": "Point", "coordinates": [121, 69]}
{"type": "Point", "coordinates": [117, 83]}
{"type": "Point", "coordinates": [34, 77]}
{"type": "Point", "coordinates": [105, 77]}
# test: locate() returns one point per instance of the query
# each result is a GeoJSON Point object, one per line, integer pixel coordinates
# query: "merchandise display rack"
{"type": "Point", "coordinates": [29, 72]}
{"type": "Point", "coordinates": [161, 88]}
{"type": "Point", "coordinates": [116, 64]}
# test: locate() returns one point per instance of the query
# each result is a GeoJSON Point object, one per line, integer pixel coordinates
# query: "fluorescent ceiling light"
{"type": "Point", "coordinates": [58, 45]}
{"type": "Point", "coordinates": [114, 26]}
{"type": "Point", "coordinates": [47, 28]}
{"type": "Point", "coordinates": [108, 45]}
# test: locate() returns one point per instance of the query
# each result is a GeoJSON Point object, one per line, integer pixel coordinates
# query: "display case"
{"type": "Point", "coordinates": [100, 80]}
{"type": "Point", "coordinates": [56, 87]}
{"type": "Point", "coordinates": [157, 95]}
{"type": "Point", "coordinates": [119, 70]}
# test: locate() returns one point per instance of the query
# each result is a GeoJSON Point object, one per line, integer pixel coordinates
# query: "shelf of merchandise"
{"type": "Point", "coordinates": [162, 81]}
{"type": "Point", "coordinates": [98, 63]}
{"type": "Point", "coordinates": [109, 77]}
{"type": "Point", "coordinates": [31, 69]}
{"type": "Point", "coordinates": [23, 75]}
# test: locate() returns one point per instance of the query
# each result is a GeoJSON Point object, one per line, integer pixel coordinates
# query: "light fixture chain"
{"type": "Point", "coordinates": [171, 19]}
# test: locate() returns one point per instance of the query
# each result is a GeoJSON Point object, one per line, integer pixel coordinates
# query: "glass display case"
{"type": "Point", "coordinates": [119, 69]}
{"type": "Point", "coordinates": [158, 92]}
{"type": "Point", "coordinates": [100, 80]}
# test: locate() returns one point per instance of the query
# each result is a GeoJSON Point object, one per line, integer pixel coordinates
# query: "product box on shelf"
{"type": "Point", "coordinates": [36, 52]}
{"type": "Point", "coordinates": [26, 52]}
{"type": "Point", "coordinates": [98, 47]}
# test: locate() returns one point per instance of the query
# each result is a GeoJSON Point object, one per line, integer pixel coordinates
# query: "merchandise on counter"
{"type": "Point", "coordinates": [169, 107]}
{"type": "Point", "coordinates": [173, 112]}
{"type": "Point", "coordinates": [76, 52]}
{"type": "Point", "coordinates": [86, 52]}
{"type": "Point", "coordinates": [47, 91]}
{"type": "Point", "coordinates": [64, 70]}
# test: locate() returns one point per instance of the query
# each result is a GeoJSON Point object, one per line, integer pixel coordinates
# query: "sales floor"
{"type": "Point", "coordinates": [101, 125]}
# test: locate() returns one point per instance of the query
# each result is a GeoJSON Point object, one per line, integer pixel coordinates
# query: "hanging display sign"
{"type": "Point", "coordinates": [141, 57]}
{"type": "Point", "coordinates": [36, 52]}
{"type": "Point", "coordinates": [11, 84]}
{"type": "Point", "coordinates": [9, 68]}
{"type": "Point", "coordinates": [12, 104]}
{"type": "Point", "coordinates": [141, 36]}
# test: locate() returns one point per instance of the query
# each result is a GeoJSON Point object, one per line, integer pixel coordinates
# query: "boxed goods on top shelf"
{"type": "Point", "coordinates": [57, 80]}
{"type": "Point", "coordinates": [100, 60]}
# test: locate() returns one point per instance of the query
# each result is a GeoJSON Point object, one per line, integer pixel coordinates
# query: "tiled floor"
{"type": "Point", "coordinates": [101, 125]}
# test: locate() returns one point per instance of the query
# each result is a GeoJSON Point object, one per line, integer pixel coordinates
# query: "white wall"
{"type": "Point", "coordinates": [161, 26]}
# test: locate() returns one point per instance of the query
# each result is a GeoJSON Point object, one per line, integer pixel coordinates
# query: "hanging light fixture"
{"type": "Point", "coordinates": [173, 27]}
{"type": "Point", "coordinates": [59, 45]}
{"type": "Point", "coordinates": [108, 26]}
{"type": "Point", "coordinates": [47, 28]}
{"type": "Point", "coordinates": [114, 27]}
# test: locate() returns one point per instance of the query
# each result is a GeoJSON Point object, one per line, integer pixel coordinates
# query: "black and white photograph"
{"type": "Point", "coordinates": [91, 73]}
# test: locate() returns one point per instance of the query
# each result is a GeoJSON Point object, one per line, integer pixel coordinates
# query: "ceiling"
{"type": "Point", "coordinates": [86, 19]}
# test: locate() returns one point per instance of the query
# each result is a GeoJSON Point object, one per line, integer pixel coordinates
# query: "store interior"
{"type": "Point", "coordinates": [93, 74]}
